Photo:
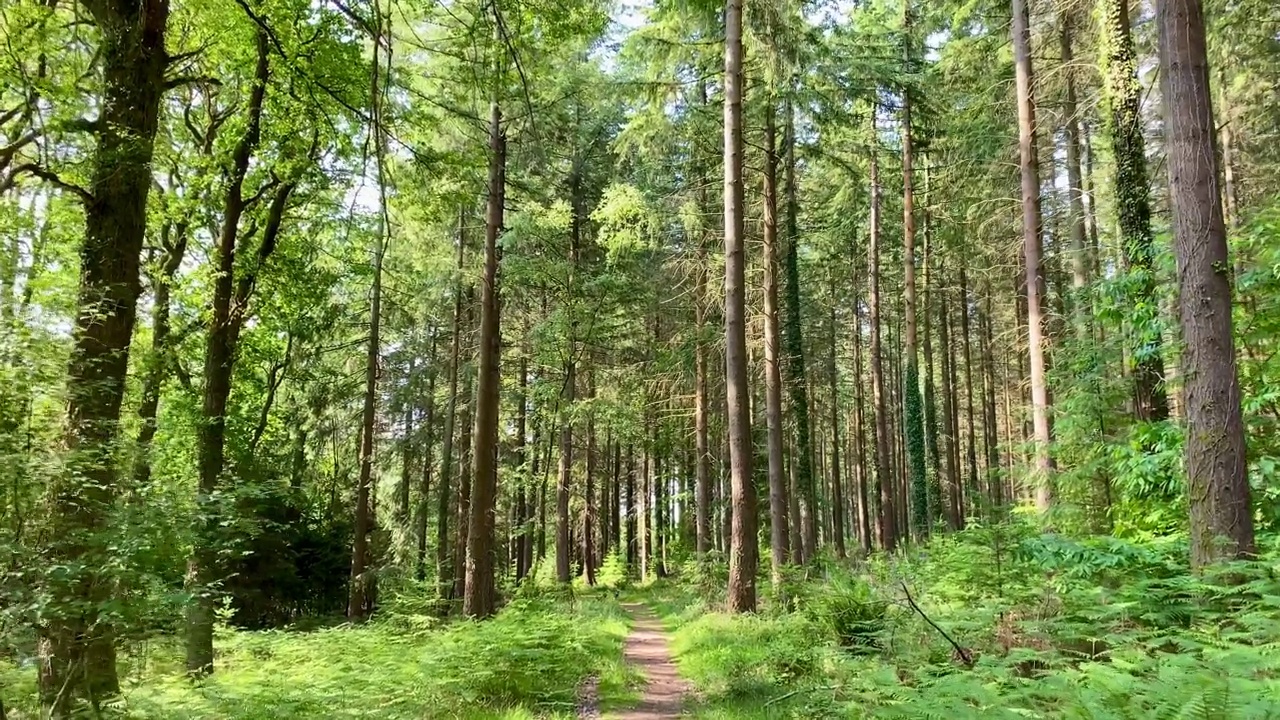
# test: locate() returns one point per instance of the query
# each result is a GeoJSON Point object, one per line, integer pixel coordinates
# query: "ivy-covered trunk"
{"type": "Point", "coordinates": [797, 377]}
{"type": "Point", "coordinates": [1123, 111]}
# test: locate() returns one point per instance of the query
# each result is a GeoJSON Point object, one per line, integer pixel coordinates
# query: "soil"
{"type": "Point", "coordinates": [646, 650]}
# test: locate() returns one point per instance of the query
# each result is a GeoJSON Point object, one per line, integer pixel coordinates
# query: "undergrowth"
{"type": "Point", "coordinates": [527, 662]}
{"type": "Point", "coordinates": [1047, 626]}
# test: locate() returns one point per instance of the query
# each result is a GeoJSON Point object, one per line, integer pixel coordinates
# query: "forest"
{"type": "Point", "coordinates": [639, 359]}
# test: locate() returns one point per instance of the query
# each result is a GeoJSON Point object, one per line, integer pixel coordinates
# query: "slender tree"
{"type": "Point", "coordinates": [779, 539]}
{"type": "Point", "coordinates": [1032, 250]}
{"type": "Point", "coordinates": [742, 551]}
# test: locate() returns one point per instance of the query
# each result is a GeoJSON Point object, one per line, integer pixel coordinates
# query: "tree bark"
{"type": "Point", "coordinates": [1080, 263]}
{"type": "Point", "coordinates": [360, 603]}
{"type": "Point", "coordinates": [859, 421]}
{"type": "Point", "coordinates": [971, 442]}
{"type": "Point", "coordinates": [75, 648]}
{"type": "Point", "coordinates": [428, 461]}
{"type": "Point", "coordinates": [444, 571]}
{"type": "Point", "coordinates": [406, 448]}
{"type": "Point", "coordinates": [1216, 460]}
{"type": "Point", "coordinates": [881, 471]}
{"type": "Point", "coordinates": [743, 549]}
{"type": "Point", "coordinates": [779, 538]}
{"type": "Point", "coordinates": [161, 360]}
{"type": "Point", "coordinates": [912, 403]}
{"type": "Point", "coordinates": [462, 504]}
{"type": "Point", "coordinates": [1042, 419]}
{"type": "Point", "coordinates": [837, 492]}
{"type": "Point", "coordinates": [479, 597]}
{"type": "Point", "coordinates": [796, 375]}
{"type": "Point", "coordinates": [564, 572]}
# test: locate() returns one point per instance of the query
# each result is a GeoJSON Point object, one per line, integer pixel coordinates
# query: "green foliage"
{"type": "Point", "coordinates": [850, 611]}
{"type": "Point", "coordinates": [527, 662]}
{"type": "Point", "coordinates": [1057, 626]}
{"type": "Point", "coordinates": [533, 654]}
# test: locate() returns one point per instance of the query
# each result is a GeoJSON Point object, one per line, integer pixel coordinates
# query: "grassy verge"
{"type": "Point", "coordinates": [527, 662]}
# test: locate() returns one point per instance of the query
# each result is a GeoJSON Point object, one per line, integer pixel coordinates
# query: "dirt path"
{"type": "Point", "coordinates": [646, 649]}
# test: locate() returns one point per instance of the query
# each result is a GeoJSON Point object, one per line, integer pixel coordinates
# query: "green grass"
{"type": "Point", "coordinates": [1094, 629]}
{"type": "Point", "coordinates": [527, 662]}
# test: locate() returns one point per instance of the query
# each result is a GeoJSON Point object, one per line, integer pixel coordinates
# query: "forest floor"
{"type": "Point", "coordinates": [647, 651]}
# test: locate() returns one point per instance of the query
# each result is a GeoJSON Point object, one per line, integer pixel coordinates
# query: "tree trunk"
{"type": "Point", "coordinates": [590, 511]}
{"type": "Point", "coordinates": [913, 415]}
{"type": "Point", "coordinates": [1133, 210]}
{"type": "Point", "coordinates": [428, 461]}
{"type": "Point", "coordinates": [632, 515]}
{"type": "Point", "coordinates": [615, 531]}
{"type": "Point", "coordinates": [360, 603]}
{"type": "Point", "coordinates": [971, 442]}
{"type": "Point", "coordinates": [462, 504]}
{"type": "Point", "coordinates": [230, 297]}
{"type": "Point", "coordinates": [700, 410]}
{"type": "Point", "coordinates": [1032, 250]}
{"type": "Point", "coordinates": [933, 485]}
{"type": "Point", "coordinates": [883, 478]}
{"type": "Point", "coordinates": [1080, 263]}
{"type": "Point", "coordinates": [563, 570]}
{"type": "Point", "coordinates": [161, 360]}
{"type": "Point", "coordinates": [479, 598]}
{"type": "Point", "coordinates": [779, 539]}
{"type": "Point", "coordinates": [859, 421]}
{"type": "Point", "coordinates": [521, 530]}
{"type": "Point", "coordinates": [1216, 461]}
{"type": "Point", "coordinates": [406, 449]}
{"type": "Point", "coordinates": [76, 651]}
{"type": "Point", "coordinates": [444, 571]}
{"type": "Point", "coordinates": [991, 439]}
{"type": "Point", "coordinates": [837, 492]}
{"type": "Point", "coordinates": [743, 550]}
{"type": "Point", "coordinates": [796, 375]}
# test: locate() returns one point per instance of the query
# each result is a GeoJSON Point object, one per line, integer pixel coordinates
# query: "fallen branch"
{"type": "Point", "coordinates": [965, 656]}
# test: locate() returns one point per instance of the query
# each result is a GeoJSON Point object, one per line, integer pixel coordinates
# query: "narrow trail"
{"type": "Point", "coordinates": [646, 649]}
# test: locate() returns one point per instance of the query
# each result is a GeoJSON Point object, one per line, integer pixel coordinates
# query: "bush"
{"type": "Point", "coordinates": [534, 654]}
{"type": "Point", "coordinates": [740, 655]}
{"type": "Point", "coordinates": [849, 610]}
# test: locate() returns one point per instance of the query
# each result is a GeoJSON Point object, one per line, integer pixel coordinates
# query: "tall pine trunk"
{"type": "Point", "coordinates": [796, 375]}
{"type": "Point", "coordinates": [1042, 420]}
{"type": "Point", "coordinates": [743, 550]}
{"type": "Point", "coordinates": [479, 596]}
{"type": "Point", "coordinates": [444, 571]}
{"type": "Point", "coordinates": [1216, 461]}
{"type": "Point", "coordinates": [913, 411]}
{"type": "Point", "coordinates": [882, 473]}
{"type": "Point", "coordinates": [779, 539]}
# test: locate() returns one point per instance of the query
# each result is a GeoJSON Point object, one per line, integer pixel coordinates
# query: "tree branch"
{"type": "Point", "coordinates": [963, 654]}
{"type": "Point", "coordinates": [51, 177]}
